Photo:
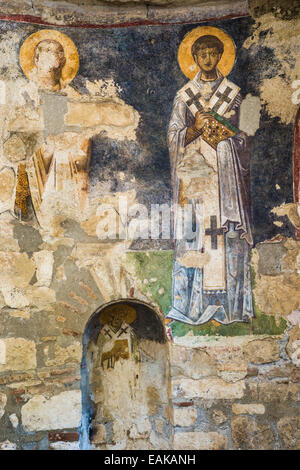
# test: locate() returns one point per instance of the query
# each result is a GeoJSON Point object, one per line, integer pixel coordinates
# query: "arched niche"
{"type": "Point", "coordinates": [125, 379]}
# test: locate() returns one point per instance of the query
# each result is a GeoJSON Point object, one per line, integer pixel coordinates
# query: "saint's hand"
{"type": "Point", "coordinates": [201, 118]}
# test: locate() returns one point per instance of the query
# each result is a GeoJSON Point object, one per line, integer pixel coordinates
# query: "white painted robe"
{"type": "Point", "coordinates": [215, 184]}
{"type": "Point", "coordinates": [58, 177]}
{"type": "Point", "coordinates": [119, 379]}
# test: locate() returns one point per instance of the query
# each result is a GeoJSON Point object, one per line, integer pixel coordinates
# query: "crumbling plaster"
{"type": "Point", "coordinates": [225, 390]}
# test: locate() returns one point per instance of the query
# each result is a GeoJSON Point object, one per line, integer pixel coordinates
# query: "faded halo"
{"type": "Point", "coordinates": [128, 312]}
{"type": "Point", "coordinates": [69, 70]}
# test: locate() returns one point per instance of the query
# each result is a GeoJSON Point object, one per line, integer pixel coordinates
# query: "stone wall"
{"type": "Point", "coordinates": [231, 387]}
{"type": "Point", "coordinates": [238, 393]}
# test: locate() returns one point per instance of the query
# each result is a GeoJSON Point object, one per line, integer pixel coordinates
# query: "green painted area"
{"type": "Point", "coordinates": [154, 271]}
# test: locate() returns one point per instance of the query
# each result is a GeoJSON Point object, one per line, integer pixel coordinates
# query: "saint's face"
{"type": "Point", "coordinates": [116, 320]}
{"type": "Point", "coordinates": [50, 56]}
{"type": "Point", "coordinates": [207, 58]}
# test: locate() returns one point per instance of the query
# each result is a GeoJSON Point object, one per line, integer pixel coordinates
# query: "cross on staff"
{"type": "Point", "coordinates": [223, 98]}
{"type": "Point", "coordinates": [213, 232]}
{"type": "Point", "coordinates": [194, 99]}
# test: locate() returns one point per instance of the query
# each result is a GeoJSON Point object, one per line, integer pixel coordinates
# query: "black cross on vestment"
{"type": "Point", "coordinates": [223, 98]}
{"type": "Point", "coordinates": [194, 99]}
{"type": "Point", "coordinates": [213, 231]}
{"type": "Point", "coordinates": [107, 333]}
{"type": "Point", "coordinates": [123, 330]}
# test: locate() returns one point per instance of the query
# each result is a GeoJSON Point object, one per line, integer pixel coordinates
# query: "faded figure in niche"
{"type": "Point", "coordinates": [58, 171]}
{"type": "Point", "coordinates": [210, 179]}
{"type": "Point", "coordinates": [115, 366]}
{"type": "Point", "coordinates": [117, 340]}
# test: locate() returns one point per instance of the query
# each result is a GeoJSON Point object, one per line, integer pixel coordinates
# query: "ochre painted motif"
{"type": "Point", "coordinates": [22, 191]}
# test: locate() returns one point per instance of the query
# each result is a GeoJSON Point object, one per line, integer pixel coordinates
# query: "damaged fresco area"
{"type": "Point", "coordinates": [96, 132]}
{"type": "Point", "coordinates": [85, 137]}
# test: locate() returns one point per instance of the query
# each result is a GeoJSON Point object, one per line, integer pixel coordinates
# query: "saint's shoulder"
{"type": "Point", "coordinates": [230, 84]}
{"type": "Point", "coordinates": [187, 85]}
{"type": "Point", "coordinates": [181, 93]}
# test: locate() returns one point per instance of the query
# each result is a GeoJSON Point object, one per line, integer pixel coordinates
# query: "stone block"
{"type": "Point", "coordinates": [248, 434]}
{"type": "Point", "coordinates": [41, 296]}
{"type": "Point", "coordinates": [280, 371]}
{"type": "Point", "coordinates": [261, 351]}
{"type": "Point", "coordinates": [3, 400]}
{"type": "Point", "coordinates": [44, 261]}
{"type": "Point", "coordinates": [72, 353]}
{"type": "Point", "coordinates": [100, 114]}
{"type": "Point", "coordinates": [293, 350]}
{"type": "Point", "coordinates": [19, 314]}
{"type": "Point", "coordinates": [295, 375]}
{"type": "Point", "coordinates": [24, 119]}
{"type": "Point", "coordinates": [14, 7]}
{"type": "Point", "coordinates": [16, 269]}
{"type": "Point", "coordinates": [9, 378]}
{"type": "Point", "coordinates": [207, 388]}
{"type": "Point", "coordinates": [98, 435]}
{"type": "Point", "coordinates": [14, 149]}
{"type": "Point", "coordinates": [270, 255]}
{"type": "Point", "coordinates": [274, 391]}
{"type": "Point", "coordinates": [74, 13]}
{"type": "Point", "coordinates": [7, 241]}
{"type": "Point", "coordinates": [289, 432]}
{"type": "Point", "coordinates": [250, 408]}
{"type": "Point", "coordinates": [232, 376]}
{"type": "Point", "coordinates": [14, 420]}
{"type": "Point", "coordinates": [62, 411]}
{"type": "Point", "coordinates": [17, 354]}
{"type": "Point", "coordinates": [252, 372]}
{"type": "Point", "coordinates": [7, 445]}
{"type": "Point", "coordinates": [198, 10]}
{"type": "Point", "coordinates": [218, 417]}
{"type": "Point", "coordinates": [294, 317]}
{"type": "Point", "coordinates": [278, 295]}
{"type": "Point", "coordinates": [185, 416]}
{"type": "Point", "coordinates": [63, 436]}
{"type": "Point", "coordinates": [14, 297]}
{"type": "Point", "coordinates": [140, 429]}
{"type": "Point", "coordinates": [192, 363]}
{"type": "Point", "coordinates": [24, 385]}
{"type": "Point", "coordinates": [199, 441]}
{"type": "Point", "coordinates": [7, 184]}
{"type": "Point", "coordinates": [64, 445]}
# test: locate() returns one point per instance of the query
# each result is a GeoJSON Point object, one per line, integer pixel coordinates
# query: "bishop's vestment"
{"type": "Point", "coordinates": [211, 206]}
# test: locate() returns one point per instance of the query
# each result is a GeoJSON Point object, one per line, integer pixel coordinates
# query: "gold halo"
{"type": "Point", "coordinates": [72, 58]}
{"type": "Point", "coordinates": [130, 313]}
{"type": "Point", "coordinates": [186, 60]}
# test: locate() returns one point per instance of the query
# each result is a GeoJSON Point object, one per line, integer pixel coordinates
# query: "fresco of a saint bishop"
{"type": "Point", "coordinates": [210, 182]}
